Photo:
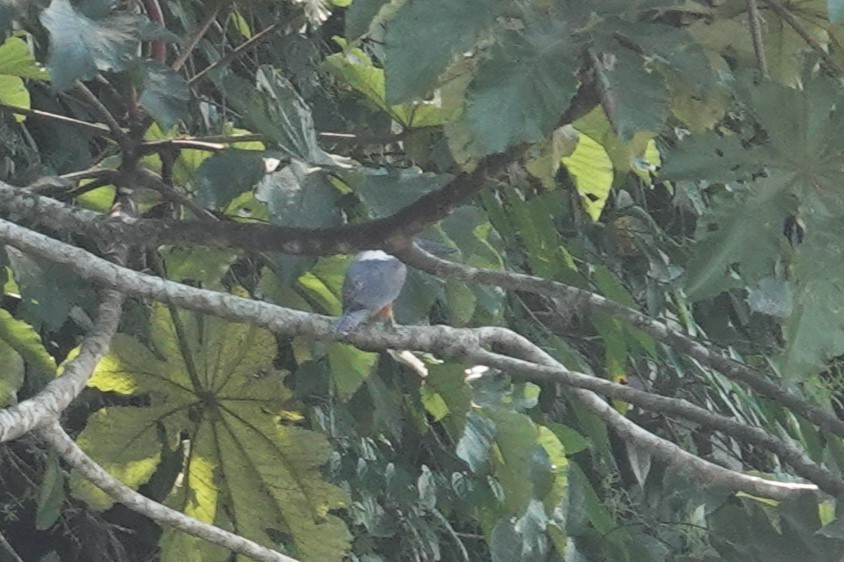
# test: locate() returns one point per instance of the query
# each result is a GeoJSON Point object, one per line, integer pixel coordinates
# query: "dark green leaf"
{"type": "Point", "coordinates": [477, 438]}
{"type": "Point", "coordinates": [80, 47]}
{"type": "Point", "coordinates": [631, 109]}
{"type": "Point", "coordinates": [522, 88]}
{"type": "Point", "coordinates": [740, 241]}
{"type": "Point", "coordinates": [50, 494]}
{"type": "Point", "coordinates": [276, 109]}
{"type": "Point", "coordinates": [299, 195]}
{"type": "Point", "coordinates": [227, 174]}
{"type": "Point", "coordinates": [165, 94]}
{"type": "Point", "coordinates": [359, 15]}
{"type": "Point", "coordinates": [387, 191]}
{"type": "Point", "coordinates": [424, 36]}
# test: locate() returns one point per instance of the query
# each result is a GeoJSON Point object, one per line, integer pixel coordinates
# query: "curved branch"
{"type": "Point", "coordinates": [730, 368]}
{"type": "Point", "coordinates": [48, 404]}
{"type": "Point", "coordinates": [391, 232]}
{"type": "Point", "coordinates": [76, 457]}
{"type": "Point", "coordinates": [461, 344]}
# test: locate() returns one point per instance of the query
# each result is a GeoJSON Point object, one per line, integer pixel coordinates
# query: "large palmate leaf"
{"type": "Point", "coordinates": [424, 36]}
{"type": "Point", "coordinates": [213, 384]}
{"type": "Point", "coordinates": [522, 88]}
{"type": "Point", "coordinates": [739, 242]}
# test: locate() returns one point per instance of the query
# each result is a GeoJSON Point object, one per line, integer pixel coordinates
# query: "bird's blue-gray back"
{"type": "Point", "coordinates": [372, 284]}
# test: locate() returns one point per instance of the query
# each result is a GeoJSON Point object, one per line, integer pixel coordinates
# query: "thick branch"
{"type": "Point", "coordinates": [58, 394]}
{"type": "Point", "coordinates": [667, 452]}
{"type": "Point", "coordinates": [578, 298]}
{"type": "Point", "coordinates": [76, 457]}
{"type": "Point", "coordinates": [461, 344]}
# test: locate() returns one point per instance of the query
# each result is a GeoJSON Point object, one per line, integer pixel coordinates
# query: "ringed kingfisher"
{"type": "Point", "coordinates": [373, 281]}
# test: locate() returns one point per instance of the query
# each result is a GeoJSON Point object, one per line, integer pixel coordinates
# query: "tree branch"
{"type": "Point", "coordinates": [76, 457]}
{"type": "Point", "coordinates": [395, 231]}
{"type": "Point", "coordinates": [48, 404]}
{"type": "Point", "coordinates": [755, 22]}
{"type": "Point", "coordinates": [579, 298]}
{"type": "Point", "coordinates": [460, 344]}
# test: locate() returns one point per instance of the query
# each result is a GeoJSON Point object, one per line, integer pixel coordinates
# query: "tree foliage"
{"type": "Point", "coordinates": [648, 152]}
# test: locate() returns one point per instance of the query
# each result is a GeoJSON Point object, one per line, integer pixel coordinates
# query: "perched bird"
{"type": "Point", "coordinates": [373, 281]}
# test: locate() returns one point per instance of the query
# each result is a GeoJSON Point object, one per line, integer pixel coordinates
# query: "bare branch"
{"type": "Point", "coordinates": [579, 298]}
{"type": "Point", "coordinates": [48, 404]}
{"type": "Point", "coordinates": [755, 22]}
{"type": "Point", "coordinates": [94, 128]}
{"type": "Point", "coordinates": [201, 30]}
{"type": "Point", "coordinates": [117, 131]}
{"type": "Point", "coordinates": [76, 457]}
{"type": "Point", "coordinates": [252, 41]}
{"type": "Point", "coordinates": [461, 344]}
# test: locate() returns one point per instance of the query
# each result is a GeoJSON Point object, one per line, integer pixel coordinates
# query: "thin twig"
{"type": "Point", "coordinates": [755, 22]}
{"type": "Point", "coordinates": [94, 128]}
{"type": "Point", "coordinates": [116, 130]}
{"type": "Point", "coordinates": [254, 40]}
{"type": "Point", "coordinates": [203, 28]}
{"type": "Point", "coordinates": [9, 550]}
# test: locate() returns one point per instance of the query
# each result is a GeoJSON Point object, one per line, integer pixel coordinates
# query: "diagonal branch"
{"type": "Point", "coordinates": [76, 457]}
{"type": "Point", "coordinates": [795, 24]}
{"type": "Point", "coordinates": [460, 344]}
{"type": "Point", "coordinates": [580, 298]}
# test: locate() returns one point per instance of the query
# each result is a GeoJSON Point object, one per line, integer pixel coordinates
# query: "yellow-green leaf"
{"type": "Point", "coordinates": [592, 170]}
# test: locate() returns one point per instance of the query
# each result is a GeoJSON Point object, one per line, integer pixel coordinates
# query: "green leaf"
{"type": "Point", "coordinates": [225, 175]}
{"type": "Point", "coordinates": [387, 191]}
{"type": "Point", "coordinates": [355, 68]}
{"type": "Point", "coordinates": [522, 88]}
{"type": "Point", "coordinates": [448, 383]}
{"type": "Point", "coordinates": [476, 441]}
{"type": "Point", "coordinates": [165, 94]}
{"type": "Point", "coordinates": [49, 291]}
{"type": "Point", "coordinates": [424, 36]}
{"type": "Point", "coordinates": [203, 267]}
{"type": "Point", "coordinates": [815, 330]}
{"type": "Point", "coordinates": [80, 47]}
{"type": "Point", "coordinates": [349, 368]}
{"type": "Point", "coordinates": [16, 60]}
{"type": "Point", "coordinates": [739, 242]}
{"type": "Point", "coordinates": [124, 441]}
{"type": "Point", "coordinates": [592, 170]}
{"type": "Point", "coordinates": [23, 338]}
{"type": "Point", "coordinates": [50, 494]}
{"type": "Point", "coordinates": [213, 383]}
{"type": "Point", "coordinates": [631, 109]}
{"type": "Point", "coordinates": [12, 375]}
{"type": "Point", "coordinates": [299, 195]}
{"type": "Point", "coordinates": [276, 109]}
{"type": "Point", "coordinates": [359, 15]}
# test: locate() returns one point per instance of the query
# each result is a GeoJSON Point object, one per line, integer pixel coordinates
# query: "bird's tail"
{"type": "Point", "coordinates": [351, 320]}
